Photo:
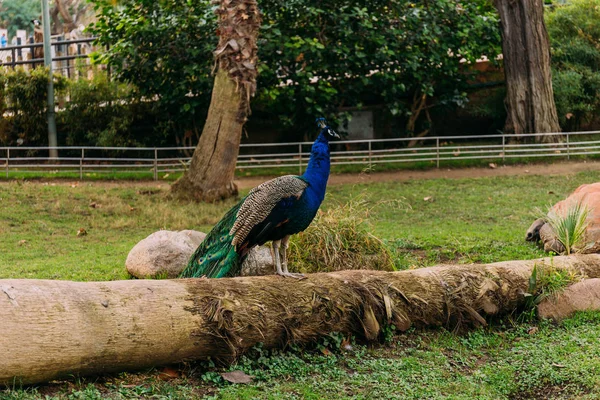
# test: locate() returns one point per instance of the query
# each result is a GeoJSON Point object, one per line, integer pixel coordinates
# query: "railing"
{"type": "Point", "coordinates": [295, 155]}
{"type": "Point", "coordinates": [64, 52]}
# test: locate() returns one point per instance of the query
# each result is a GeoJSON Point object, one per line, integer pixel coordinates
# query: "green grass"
{"type": "Point", "coordinates": [479, 220]}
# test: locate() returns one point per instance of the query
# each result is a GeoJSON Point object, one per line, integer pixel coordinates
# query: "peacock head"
{"type": "Point", "coordinates": [326, 131]}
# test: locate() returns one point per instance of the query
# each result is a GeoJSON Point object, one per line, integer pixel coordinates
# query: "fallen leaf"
{"type": "Point", "coordinates": [237, 377]}
{"type": "Point", "coordinates": [81, 232]}
{"type": "Point", "coordinates": [533, 330]}
{"type": "Point", "coordinates": [492, 165]}
{"type": "Point", "coordinates": [428, 198]}
{"type": "Point", "coordinates": [325, 351]}
{"type": "Point", "coordinates": [131, 208]}
{"type": "Point", "coordinates": [168, 373]}
{"type": "Point", "coordinates": [22, 242]}
{"type": "Point", "coordinates": [93, 204]}
{"type": "Point", "coordinates": [166, 176]}
{"type": "Point", "coordinates": [558, 365]}
{"type": "Point", "coordinates": [550, 192]}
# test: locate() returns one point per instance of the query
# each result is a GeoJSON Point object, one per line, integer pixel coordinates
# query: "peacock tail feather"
{"type": "Point", "coordinates": [216, 256]}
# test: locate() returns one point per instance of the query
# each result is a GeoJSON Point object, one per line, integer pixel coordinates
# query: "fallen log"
{"type": "Point", "coordinates": [53, 329]}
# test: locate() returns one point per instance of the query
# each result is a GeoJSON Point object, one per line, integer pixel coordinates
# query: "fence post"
{"type": "Point", "coordinates": [503, 148]}
{"type": "Point", "coordinates": [155, 164]}
{"type": "Point", "coordinates": [370, 164]}
{"type": "Point", "coordinates": [568, 150]}
{"type": "Point", "coordinates": [81, 164]}
{"type": "Point", "coordinates": [299, 158]}
{"type": "Point", "coordinates": [7, 158]}
{"type": "Point", "coordinates": [437, 151]}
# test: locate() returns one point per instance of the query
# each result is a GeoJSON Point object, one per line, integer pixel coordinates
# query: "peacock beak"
{"type": "Point", "coordinates": [333, 134]}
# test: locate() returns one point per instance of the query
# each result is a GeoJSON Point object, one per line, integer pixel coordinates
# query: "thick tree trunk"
{"type": "Point", "coordinates": [526, 50]}
{"type": "Point", "coordinates": [52, 329]}
{"type": "Point", "coordinates": [211, 172]}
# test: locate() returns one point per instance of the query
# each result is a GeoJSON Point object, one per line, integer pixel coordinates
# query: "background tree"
{"type": "Point", "coordinates": [574, 30]}
{"type": "Point", "coordinates": [164, 49]}
{"type": "Point", "coordinates": [315, 57]}
{"type": "Point", "coordinates": [17, 14]}
{"type": "Point", "coordinates": [403, 56]}
{"type": "Point", "coordinates": [211, 172]}
{"type": "Point", "coordinates": [526, 50]}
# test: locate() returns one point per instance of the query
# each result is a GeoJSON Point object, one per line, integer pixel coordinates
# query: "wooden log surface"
{"type": "Point", "coordinates": [53, 329]}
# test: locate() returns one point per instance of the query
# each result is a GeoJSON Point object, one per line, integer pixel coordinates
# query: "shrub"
{"type": "Point", "coordinates": [101, 112]}
{"type": "Point", "coordinates": [23, 105]}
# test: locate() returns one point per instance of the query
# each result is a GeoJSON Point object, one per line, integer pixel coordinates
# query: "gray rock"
{"type": "Point", "coordinates": [163, 254]}
{"type": "Point", "coordinates": [259, 262]}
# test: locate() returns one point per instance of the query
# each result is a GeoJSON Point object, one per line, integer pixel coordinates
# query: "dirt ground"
{"type": "Point", "coordinates": [558, 168]}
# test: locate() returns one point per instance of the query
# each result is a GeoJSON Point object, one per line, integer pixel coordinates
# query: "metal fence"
{"type": "Point", "coordinates": [432, 150]}
{"type": "Point", "coordinates": [64, 54]}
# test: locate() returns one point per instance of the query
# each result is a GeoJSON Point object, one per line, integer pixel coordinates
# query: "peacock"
{"type": "Point", "coordinates": [272, 211]}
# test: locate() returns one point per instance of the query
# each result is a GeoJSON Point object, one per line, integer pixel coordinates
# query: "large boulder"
{"type": "Point", "coordinates": [587, 195]}
{"type": "Point", "coordinates": [164, 254]}
{"type": "Point", "coordinates": [581, 296]}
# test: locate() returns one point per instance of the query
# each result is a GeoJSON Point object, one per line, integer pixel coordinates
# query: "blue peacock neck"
{"type": "Point", "coordinates": [317, 171]}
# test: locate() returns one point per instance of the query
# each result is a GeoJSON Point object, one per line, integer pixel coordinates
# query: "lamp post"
{"type": "Point", "coordinates": [52, 137]}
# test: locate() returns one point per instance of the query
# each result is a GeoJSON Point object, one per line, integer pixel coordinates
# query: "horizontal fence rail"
{"type": "Point", "coordinates": [155, 161]}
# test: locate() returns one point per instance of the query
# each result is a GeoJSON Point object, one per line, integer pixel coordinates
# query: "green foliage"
{"type": "Point", "coordinates": [574, 30]}
{"type": "Point", "coordinates": [315, 56]}
{"type": "Point", "coordinates": [545, 281]}
{"type": "Point", "coordinates": [570, 226]}
{"type": "Point", "coordinates": [101, 112]}
{"type": "Point", "coordinates": [345, 53]}
{"type": "Point", "coordinates": [165, 49]}
{"type": "Point", "coordinates": [23, 97]}
{"type": "Point", "coordinates": [17, 14]}
{"type": "Point", "coordinates": [97, 112]}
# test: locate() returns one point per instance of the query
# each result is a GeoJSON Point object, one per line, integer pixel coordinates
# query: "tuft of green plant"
{"type": "Point", "coordinates": [338, 239]}
{"type": "Point", "coordinates": [547, 280]}
{"type": "Point", "coordinates": [569, 227]}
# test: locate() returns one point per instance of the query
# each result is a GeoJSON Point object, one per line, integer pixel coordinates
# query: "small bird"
{"type": "Point", "coordinates": [272, 211]}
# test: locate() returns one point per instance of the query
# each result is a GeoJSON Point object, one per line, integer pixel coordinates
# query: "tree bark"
{"type": "Point", "coordinates": [526, 50]}
{"type": "Point", "coordinates": [53, 329]}
{"type": "Point", "coordinates": [211, 172]}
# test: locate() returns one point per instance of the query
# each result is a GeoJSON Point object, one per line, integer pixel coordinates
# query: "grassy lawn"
{"type": "Point", "coordinates": [468, 220]}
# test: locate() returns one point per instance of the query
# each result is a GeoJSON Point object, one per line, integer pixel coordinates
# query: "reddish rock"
{"type": "Point", "coordinates": [587, 195]}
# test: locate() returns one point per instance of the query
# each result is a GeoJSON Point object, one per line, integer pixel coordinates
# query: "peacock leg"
{"type": "Point", "coordinates": [275, 254]}
{"type": "Point", "coordinates": [284, 246]}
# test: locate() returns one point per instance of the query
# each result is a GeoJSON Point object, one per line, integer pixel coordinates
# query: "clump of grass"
{"type": "Point", "coordinates": [547, 280]}
{"type": "Point", "coordinates": [338, 239]}
{"type": "Point", "coordinates": [569, 227]}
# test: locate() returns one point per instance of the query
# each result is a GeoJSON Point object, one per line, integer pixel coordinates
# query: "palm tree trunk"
{"type": "Point", "coordinates": [53, 329]}
{"type": "Point", "coordinates": [211, 172]}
